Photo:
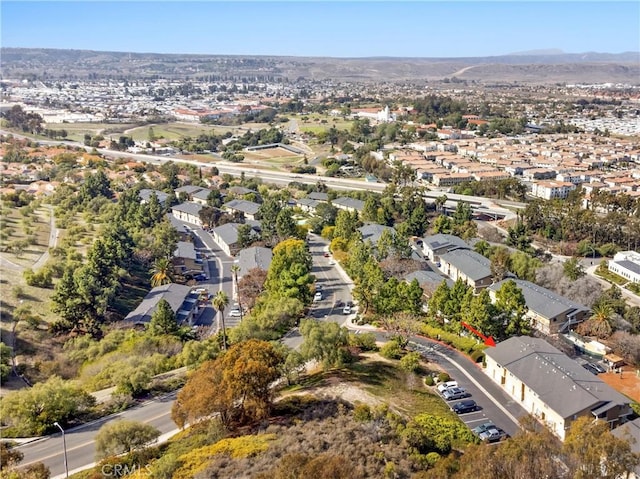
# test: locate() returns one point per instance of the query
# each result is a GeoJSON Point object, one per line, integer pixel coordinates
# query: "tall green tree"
{"type": "Point", "coordinates": [325, 342]}
{"type": "Point", "coordinates": [573, 269]}
{"type": "Point", "coordinates": [290, 271]}
{"type": "Point", "coordinates": [163, 320]}
{"type": "Point", "coordinates": [512, 308]}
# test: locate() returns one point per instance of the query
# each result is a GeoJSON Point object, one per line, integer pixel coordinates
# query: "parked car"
{"type": "Point", "coordinates": [482, 428]}
{"type": "Point", "coordinates": [598, 368]}
{"type": "Point", "coordinates": [235, 311]}
{"type": "Point", "coordinates": [492, 434]}
{"type": "Point", "coordinates": [462, 407]}
{"type": "Point", "coordinates": [347, 308]}
{"type": "Point", "coordinates": [201, 277]}
{"type": "Point", "coordinates": [446, 385]}
{"type": "Point", "coordinates": [591, 368]}
{"type": "Point", "coordinates": [455, 393]}
{"type": "Point", "coordinates": [317, 297]}
{"type": "Point", "coordinates": [326, 254]}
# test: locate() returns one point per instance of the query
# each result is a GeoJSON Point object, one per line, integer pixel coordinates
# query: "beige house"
{"type": "Point", "coordinates": [551, 386]}
{"type": "Point", "coordinates": [547, 311]}
{"type": "Point", "coordinates": [467, 265]}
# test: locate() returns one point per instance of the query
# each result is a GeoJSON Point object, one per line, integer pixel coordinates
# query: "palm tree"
{"type": "Point", "coordinates": [600, 323]}
{"type": "Point", "coordinates": [162, 272]}
{"type": "Point", "coordinates": [220, 302]}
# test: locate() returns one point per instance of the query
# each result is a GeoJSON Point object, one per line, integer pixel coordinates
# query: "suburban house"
{"type": "Point", "coordinates": [145, 195]}
{"type": "Point", "coordinates": [307, 204]}
{"type": "Point", "coordinates": [201, 196]}
{"type": "Point", "coordinates": [348, 204]}
{"type": "Point", "coordinates": [551, 386]}
{"type": "Point", "coordinates": [248, 208]}
{"type": "Point", "coordinates": [630, 431]}
{"type": "Point", "coordinates": [318, 196]}
{"type": "Point", "coordinates": [183, 303]}
{"type": "Point", "coordinates": [434, 246]}
{"type": "Point", "coordinates": [254, 257]}
{"type": "Point", "coordinates": [627, 265]}
{"type": "Point", "coordinates": [428, 281]}
{"type": "Point", "coordinates": [189, 212]}
{"type": "Point", "coordinates": [226, 236]}
{"type": "Point", "coordinates": [185, 258]}
{"type": "Point", "coordinates": [188, 190]}
{"type": "Point", "coordinates": [183, 233]}
{"type": "Point", "coordinates": [467, 265]}
{"type": "Point", "coordinates": [372, 232]}
{"type": "Point", "coordinates": [547, 311]}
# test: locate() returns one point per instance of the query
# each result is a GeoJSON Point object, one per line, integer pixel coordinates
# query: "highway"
{"type": "Point", "coordinates": [282, 178]}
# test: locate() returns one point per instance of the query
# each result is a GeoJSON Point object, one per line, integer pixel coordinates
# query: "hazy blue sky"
{"type": "Point", "coordinates": [334, 28]}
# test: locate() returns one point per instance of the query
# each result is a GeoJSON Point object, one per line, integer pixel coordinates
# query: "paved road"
{"type": "Point", "coordinates": [80, 441]}
{"type": "Point", "coordinates": [334, 286]}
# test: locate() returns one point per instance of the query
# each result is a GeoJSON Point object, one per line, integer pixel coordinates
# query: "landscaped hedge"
{"type": "Point", "coordinates": [466, 345]}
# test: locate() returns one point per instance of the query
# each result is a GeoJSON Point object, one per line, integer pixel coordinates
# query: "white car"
{"type": "Point", "coordinates": [447, 385]}
{"type": "Point", "coordinates": [317, 297]}
{"type": "Point", "coordinates": [235, 312]}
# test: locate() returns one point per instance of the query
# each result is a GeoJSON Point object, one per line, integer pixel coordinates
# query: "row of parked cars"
{"type": "Point", "coordinates": [450, 391]}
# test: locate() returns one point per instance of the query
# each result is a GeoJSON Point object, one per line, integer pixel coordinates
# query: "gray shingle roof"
{"type": "Point", "coordinates": [315, 195]}
{"type": "Point", "coordinates": [177, 224]}
{"type": "Point", "coordinates": [372, 232]}
{"type": "Point", "coordinates": [188, 189]}
{"type": "Point", "coordinates": [248, 207]}
{"type": "Point", "coordinates": [190, 208]}
{"type": "Point", "coordinates": [227, 232]}
{"type": "Point", "coordinates": [472, 264]}
{"type": "Point", "coordinates": [145, 195]}
{"type": "Point", "coordinates": [308, 202]}
{"type": "Point", "coordinates": [559, 381]}
{"type": "Point", "coordinates": [174, 294]}
{"type": "Point", "coordinates": [441, 240]}
{"type": "Point", "coordinates": [542, 301]}
{"type": "Point", "coordinates": [255, 257]}
{"type": "Point", "coordinates": [184, 249]}
{"type": "Point", "coordinates": [630, 265]}
{"type": "Point", "coordinates": [349, 203]}
{"type": "Point", "coordinates": [630, 431]}
{"type": "Point", "coordinates": [202, 194]}
{"type": "Point", "coordinates": [427, 277]}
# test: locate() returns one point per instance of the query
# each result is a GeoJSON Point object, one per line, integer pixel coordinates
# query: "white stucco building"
{"type": "Point", "coordinates": [627, 265]}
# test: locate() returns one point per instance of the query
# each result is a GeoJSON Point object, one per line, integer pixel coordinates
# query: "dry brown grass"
{"type": "Point", "coordinates": [628, 383]}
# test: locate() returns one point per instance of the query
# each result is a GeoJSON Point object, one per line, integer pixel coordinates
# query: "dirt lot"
{"type": "Point", "coordinates": [628, 383]}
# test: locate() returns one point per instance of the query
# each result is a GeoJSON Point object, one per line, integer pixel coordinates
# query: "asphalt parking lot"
{"type": "Point", "coordinates": [494, 405]}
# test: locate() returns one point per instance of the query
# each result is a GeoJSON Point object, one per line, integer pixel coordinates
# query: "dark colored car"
{"type": "Point", "coordinates": [200, 277]}
{"type": "Point", "coordinates": [462, 407]}
{"type": "Point", "coordinates": [591, 368]}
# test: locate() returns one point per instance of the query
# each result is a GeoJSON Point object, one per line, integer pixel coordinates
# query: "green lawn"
{"type": "Point", "coordinates": [611, 277]}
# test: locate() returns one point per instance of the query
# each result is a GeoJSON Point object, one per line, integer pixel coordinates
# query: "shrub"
{"type": "Point", "coordinates": [429, 381]}
{"type": "Point", "coordinates": [366, 341]}
{"type": "Point", "coordinates": [443, 377]}
{"type": "Point", "coordinates": [391, 350]}
{"type": "Point", "coordinates": [410, 362]}
{"type": "Point", "coordinates": [477, 356]}
{"type": "Point", "coordinates": [39, 279]}
{"type": "Point", "coordinates": [362, 413]}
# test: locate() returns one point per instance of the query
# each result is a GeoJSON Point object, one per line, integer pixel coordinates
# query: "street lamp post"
{"type": "Point", "coordinates": [64, 446]}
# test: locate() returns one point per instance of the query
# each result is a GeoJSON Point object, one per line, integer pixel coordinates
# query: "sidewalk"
{"type": "Point", "coordinates": [631, 298]}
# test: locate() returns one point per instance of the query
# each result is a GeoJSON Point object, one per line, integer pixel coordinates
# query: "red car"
{"type": "Point", "coordinates": [326, 254]}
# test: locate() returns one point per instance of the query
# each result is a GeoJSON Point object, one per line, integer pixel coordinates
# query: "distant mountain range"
{"type": "Point", "coordinates": [536, 66]}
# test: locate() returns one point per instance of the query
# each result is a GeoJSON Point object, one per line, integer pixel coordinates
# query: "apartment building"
{"type": "Point", "coordinates": [550, 190]}
{"type": "Point", "coordinates": [627, 265]}
{"type": "Point", "coordinates": [551, 386]}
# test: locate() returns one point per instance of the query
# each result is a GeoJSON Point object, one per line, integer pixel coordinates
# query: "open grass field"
{"type": "Point", "coordinates": [18, 227]}
{"type": "Point", "coordinates": [316, 123]}
{"type": "Point", "coordinates": [76, 131]}
{"type": "Point", "coordinates": [174, 131]}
